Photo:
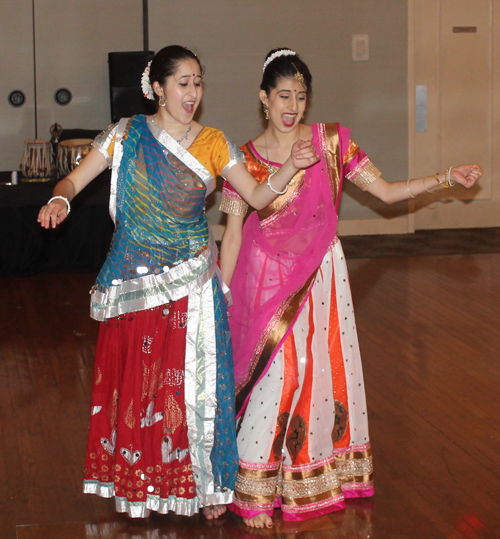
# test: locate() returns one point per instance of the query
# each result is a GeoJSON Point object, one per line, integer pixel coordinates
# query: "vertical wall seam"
{"type": "Point", "coordinates": [34, 70]}
{"type": "Point", "coordinates": [145, 24]}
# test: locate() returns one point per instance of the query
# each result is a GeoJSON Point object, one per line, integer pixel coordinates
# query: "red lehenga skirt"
{"type": "Point", "coordinates": [138, 443]}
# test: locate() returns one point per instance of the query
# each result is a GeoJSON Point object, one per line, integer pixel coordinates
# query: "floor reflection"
{"type": "Point", "coordinates": [355, 522]}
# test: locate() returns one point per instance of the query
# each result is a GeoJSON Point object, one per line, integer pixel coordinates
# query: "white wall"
{"type": "Point", "coordinates": [232, 39]}
{"type": "Point", "coordinates": [70, 40]}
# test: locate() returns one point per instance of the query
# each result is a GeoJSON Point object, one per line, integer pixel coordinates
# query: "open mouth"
{"type": "Point", "coordinates": [188, 107]}
{"type": "Point", "coordinates": [288, 119]}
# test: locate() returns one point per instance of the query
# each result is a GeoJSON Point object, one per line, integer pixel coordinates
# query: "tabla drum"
{"type": "Point", "coordinates": [71, 152]}
{"type": "Point", "coordinates": [37, 159]}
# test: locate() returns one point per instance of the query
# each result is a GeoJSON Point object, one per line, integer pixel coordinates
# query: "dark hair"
{"type": "Point", "coordinates": [284, 67]}
{"type": "Point", "coordinates": [166, 61]}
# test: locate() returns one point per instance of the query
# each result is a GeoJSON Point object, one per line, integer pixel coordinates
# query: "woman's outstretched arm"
{"type": "Point", "coordinates": [260, 195]}
{"type": "Point", "coordinates": [54, 213]}
{"type": "Point", "coordinates": [466, 175]}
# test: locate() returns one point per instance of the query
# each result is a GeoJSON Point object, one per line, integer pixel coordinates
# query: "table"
{"type": "Point", "coordinates": [79, 244]}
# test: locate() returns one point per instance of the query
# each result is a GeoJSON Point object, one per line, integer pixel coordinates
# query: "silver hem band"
{"type": "Point", "coordinates": [154, 290]}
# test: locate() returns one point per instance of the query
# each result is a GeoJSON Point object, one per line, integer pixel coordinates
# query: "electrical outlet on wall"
{"type": "Point", "coordinates": [360, 47]}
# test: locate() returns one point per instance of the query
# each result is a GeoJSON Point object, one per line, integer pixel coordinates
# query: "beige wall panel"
{"type": "Point", "coordinates": [425, 33]}
{"type": "Point", "coordinates": [462, 75]}
{"type": "Point", "coordinates": [370, 97]}
{"type": "Point", "coordinates": [16, 68]}
{"type": "Point", "coordinates": [72, 44]}
{"type": "Point", "coordinates": [466, 88]}
{"type": "Point", "coordinates": [372, 227]}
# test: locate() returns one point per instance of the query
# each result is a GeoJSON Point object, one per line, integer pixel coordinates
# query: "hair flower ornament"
{"type": "Point", "coordinates": [147, 89]}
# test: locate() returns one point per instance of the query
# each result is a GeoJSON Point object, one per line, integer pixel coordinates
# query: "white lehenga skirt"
{"type": "Point", "coordinates": [303, 440]}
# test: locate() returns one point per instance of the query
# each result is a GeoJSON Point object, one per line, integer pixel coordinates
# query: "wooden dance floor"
{"type": "Point", "coordinates": [429, 331]}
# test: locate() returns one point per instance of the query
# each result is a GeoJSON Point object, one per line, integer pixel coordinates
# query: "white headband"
{"type": "Point", "coordinates": [277, 54]}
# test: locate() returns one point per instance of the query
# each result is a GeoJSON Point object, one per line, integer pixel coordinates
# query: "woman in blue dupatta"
{"type": "Point", "coordinates": [162, 428]}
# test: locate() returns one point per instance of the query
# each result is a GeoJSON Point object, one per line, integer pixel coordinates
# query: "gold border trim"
{"type": "Point", "coordinates": [257, 474]}
{"type": "Point", "coordinates": [330, 147]}
{"type": "Point", "coordinates": [357, 478]}
{"type": "Point", "coordinates": [306, 474]}
{"type": "Point", "coordinates": [307, 500]}
{"type": "Point", "coordinates": [354, 455]}
{"type": "Point", "coordinates": [276, 335]}
{"type": "Point", "coordinates": [250, 498]}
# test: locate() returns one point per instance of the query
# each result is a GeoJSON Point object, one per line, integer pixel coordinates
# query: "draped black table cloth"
{"type": "Point", "coordinates": [79, 244]}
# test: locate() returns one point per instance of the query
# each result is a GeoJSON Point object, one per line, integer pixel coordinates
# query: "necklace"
{"type": "Point", "coordinates": [269, 167]}
{"type": "Point", "coordinates": [182, 138]}
{"type": "Point", "coordinates": [185, 136]}
{"type": "Point", "coordinates": [272, 170]}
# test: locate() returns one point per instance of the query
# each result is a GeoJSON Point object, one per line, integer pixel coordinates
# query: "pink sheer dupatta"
{"type": "Point", "coordinates": [278, 261]}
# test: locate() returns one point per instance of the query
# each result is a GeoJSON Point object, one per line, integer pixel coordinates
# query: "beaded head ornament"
{"type": "Point", "coordinates": [298, 75]}
{"type": "Point", "coordinates": [277, 54]}
{"type": "Point", "coordinates": [285, 52]}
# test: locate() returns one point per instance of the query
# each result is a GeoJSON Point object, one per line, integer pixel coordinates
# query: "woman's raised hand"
{"type": "Point", "coordinates": [466, 175]}
{"type": "Point", "coordinates": [304, 154]}
{"type": "Point", "coordinates": [53, 213]}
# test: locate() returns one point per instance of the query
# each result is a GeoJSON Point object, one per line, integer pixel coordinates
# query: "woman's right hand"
{"type": "Point", "coordinates": [303, 154]}
{"type": "Point", "coordinates": [467, 175]}
{"type": "Point", "coordinates": [53, 214]}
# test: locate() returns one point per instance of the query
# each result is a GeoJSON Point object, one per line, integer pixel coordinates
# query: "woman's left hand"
{"type": "Point", "coordinates": [304, 154]}
{"type": "Point", "coordinates": [466, 175]}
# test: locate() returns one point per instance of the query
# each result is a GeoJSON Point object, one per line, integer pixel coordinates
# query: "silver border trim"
{"type": "Point", "coordinates": [178, 282]}
{"type": "Point", "coordinates": [115, 168]}
{"type": "Point", "coordinates": [181, 153]}
{"type": "Point", "coordinates": [235, 156]}
{"type": "Point", "coordinates": [180, 506]}
{"type": "Point", "coordinates": [103, 151]}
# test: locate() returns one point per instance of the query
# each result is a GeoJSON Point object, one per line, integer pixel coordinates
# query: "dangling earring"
{"type": "Point", "coordinates": [162, 101]}
{"type": "Point", "coordinates": [266, 111]}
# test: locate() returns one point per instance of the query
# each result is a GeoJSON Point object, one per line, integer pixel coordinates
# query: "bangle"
{"type": "Point", "coordinates": [434, 187]}
{"type": "Point", "coordinates": [436, 177]}
{"type": "Point", "coordinates": [425, 186]}
{"type": "Point", "coordinates": [445, 184]}
{"type": "Point", "coordinates": [62, 198]}
{"type": "Point", "coordinates": [410, 194]}
{"type": "Point", "coordinates": [449, 181]}
{"type": "Point", "coordinates": [272, 188]}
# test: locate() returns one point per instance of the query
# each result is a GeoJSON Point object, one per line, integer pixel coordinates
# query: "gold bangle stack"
{"type": "Point", "coordinates": [446, 184]}
{"type": "Point", "coordinates": [447, 176]}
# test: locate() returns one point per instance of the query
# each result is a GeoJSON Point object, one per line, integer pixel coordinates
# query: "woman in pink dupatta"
{"type": "Point", "coordinates": [303, 438]}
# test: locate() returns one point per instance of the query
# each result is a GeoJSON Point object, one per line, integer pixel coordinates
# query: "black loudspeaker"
{"type": "Point", "coordinates": [125, 72]}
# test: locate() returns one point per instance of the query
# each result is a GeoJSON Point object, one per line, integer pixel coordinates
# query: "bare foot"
{"type": "Point", "coordinates": [214, 511]}
{"type": "Point", "coordinates": [262, 520]}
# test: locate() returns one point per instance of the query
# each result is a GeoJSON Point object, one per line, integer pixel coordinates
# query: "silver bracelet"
{"type": "Point", "coordinates": [272, 188]}
{"type": "Point", "coordinates": [62, 198]}
{"type": "Point", "coordinates": [449, 181]}
{"type": "Point", "coordinates": [408, 188]}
